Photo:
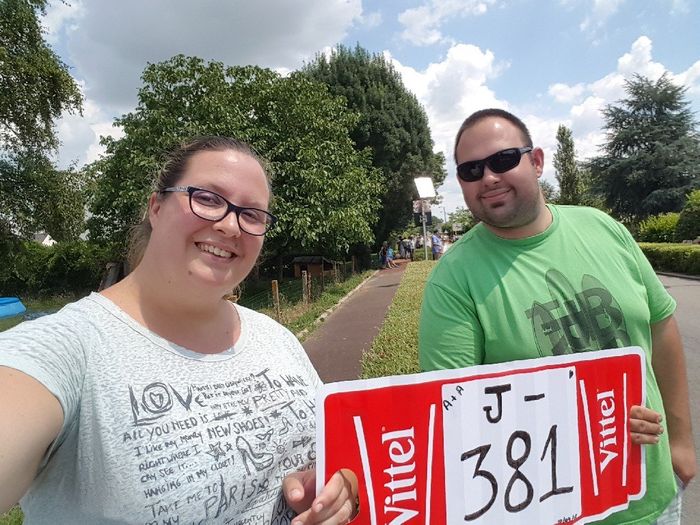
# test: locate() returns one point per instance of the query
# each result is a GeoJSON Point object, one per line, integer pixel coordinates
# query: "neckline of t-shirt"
{"type": "Point", "coordinates": [533, 240]}
{"type": "Point", "coordinates": [239, 346]}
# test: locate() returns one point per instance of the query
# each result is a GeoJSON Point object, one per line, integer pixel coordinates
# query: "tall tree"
{"type": "Point", "coordinates": [393, 126]}
{"type": "Point", "coordinates": [35, 89]}
{"type": "Point", "coordinates": [652, 155]}
{"type": "Point", "coordinates": [566, 169]}
{"type": "Point", "coordinates": [325, 194]}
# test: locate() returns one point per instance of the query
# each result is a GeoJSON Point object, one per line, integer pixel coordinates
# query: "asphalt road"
{"type": "Point", "coordinates": [687, 294]}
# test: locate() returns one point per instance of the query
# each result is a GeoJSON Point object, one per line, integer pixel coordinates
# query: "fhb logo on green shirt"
{"type": "Point", "coordinates": [577, 321]}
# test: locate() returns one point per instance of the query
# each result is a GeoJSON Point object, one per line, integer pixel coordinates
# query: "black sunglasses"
{"type": "Point", "coordinates": [499, 162]}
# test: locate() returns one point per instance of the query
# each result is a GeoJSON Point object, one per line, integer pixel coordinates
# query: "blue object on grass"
{"type": "Point", "coordinates": [10, 307]}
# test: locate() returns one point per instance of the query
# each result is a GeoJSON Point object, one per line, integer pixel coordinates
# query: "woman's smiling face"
{"type": "Point", "coordinates": [211, 254]}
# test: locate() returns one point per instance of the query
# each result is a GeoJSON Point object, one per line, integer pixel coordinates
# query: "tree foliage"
{"type": "Point", "coordinates": [548, 190]}
{"type": "Point", "coordinates": [658, 228]}
{"type": "Point", "coordinates": [35, 89]}
{"type": "Point", "coordinates": [651, 157]}
{"type": "Point", "coordinates": [325, 194]}
{"type": "Point", "coordinates": [688, 227]}
{"type": "Point", "coordinates": [463, 217]}
{"type": "Point", "coordinates": [392, 124]}
{"type": "Point", "coordinates": [566, 169]}
{"type": "Point", "coordinates": [36, 197]}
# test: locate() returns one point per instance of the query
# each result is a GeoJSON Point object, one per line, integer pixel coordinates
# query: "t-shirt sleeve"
{"type": "Point", "coordinates": [661, 303]}
{"type": "Point", "coordinates": [50, 349]}
{"type": "Point", "coordinates": [449, 335]}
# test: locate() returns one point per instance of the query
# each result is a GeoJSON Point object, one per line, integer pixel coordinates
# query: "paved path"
{"type": "Point", "coordinates": [336, 346]}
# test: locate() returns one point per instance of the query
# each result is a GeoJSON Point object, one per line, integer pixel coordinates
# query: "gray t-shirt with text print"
{"type": "Point", "coordinates": [155, 433]}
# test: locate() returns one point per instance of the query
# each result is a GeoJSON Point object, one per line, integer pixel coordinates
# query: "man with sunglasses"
{"type": "Point", "coordinates": [535, 279]}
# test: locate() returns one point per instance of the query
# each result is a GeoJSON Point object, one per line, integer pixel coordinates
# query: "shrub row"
{"type": "Point", "coordinates": [677, 258]}
{"type": "Point", "coordinates": [673, 227]}
{"type": "Point", "coordinates": [30, 268]}
{"type": "Point", "coordinates": [395, 349]}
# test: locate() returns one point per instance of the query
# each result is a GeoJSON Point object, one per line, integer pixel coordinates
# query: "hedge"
{"type": "Point", "coordinates": [676, 258]}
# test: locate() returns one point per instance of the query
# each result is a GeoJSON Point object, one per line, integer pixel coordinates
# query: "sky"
{"type": "Point", "coordinates": [550, 62]}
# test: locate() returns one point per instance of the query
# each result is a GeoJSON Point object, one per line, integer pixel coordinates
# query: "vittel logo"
{"type": "Point", "coordinates": [400, 476]}
{"type": "Point", "coordinates": [608, 429]}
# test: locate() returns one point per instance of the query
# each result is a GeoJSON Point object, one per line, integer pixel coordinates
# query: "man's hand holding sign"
{"type": "Point", "coordinates": [538, 441]}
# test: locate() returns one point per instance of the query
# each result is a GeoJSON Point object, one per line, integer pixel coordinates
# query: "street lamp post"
{"type": "Point", "coordinates": [425, 188]}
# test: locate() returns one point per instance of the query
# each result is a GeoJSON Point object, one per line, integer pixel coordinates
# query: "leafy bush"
{"type": "Point", "coordinates": [658, 228]}
{"type": "Point", "coordinates": [677, 258]}
{"type": "Point", "coordinates": [395, 349]}
{"type": "Point", "coordinates": [688, 227]}
{"type": "Point", "coordinates": [64, 268]}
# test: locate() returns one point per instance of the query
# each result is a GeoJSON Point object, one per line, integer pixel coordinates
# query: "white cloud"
{"type": "Point", "coordinates": [585, 113]}
{"type": "Point", "coordinates": [599, 13]}
{"type": "Point", "coordinates": [689, 78]}
{"type": "Point", "coordinates": [639, 61]}
{"type": "Point", "coordinates": [564, 93]}
{"type": "Point", "coordinates": [117, 39]}
{"type": "Point", "coordinates": [61, 17]}
{"type": "Point", "coordinates": [680, 7]}
{"type": "Point", "coordinates": [450, 91]}
{"type": "Point", "coordinates": [110, 43]}
{"type": "Point", "coordinates": [80, 134]}
{"type": "Point", "coordinates": [422, 24]}
{"type": "Point", "coordinates": [371, 20]}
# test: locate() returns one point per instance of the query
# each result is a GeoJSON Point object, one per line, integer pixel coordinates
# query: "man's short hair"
{"type": "Point", "coordinates": [480, 115]}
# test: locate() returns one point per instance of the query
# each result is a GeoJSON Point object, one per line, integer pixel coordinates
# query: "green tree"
{"type": "Point", "coordinates": [463, 217]}
{"type": "Point", "coordinates": [549, 191]}
{"type": "Point", "coordinates": [35, 89]}
{"type": "Point", "coordinates": [651, 157]}
{"type": "Point", "coordinates": [326, 194]}
{"type": "Point", "coordinates": [566, 169]}
{"type": "Point", "coordinates": [36, 197]}
{"type": "Point", "coordinates": [393, 126]}
{"type": "Point", "coordinates": [688, 227]}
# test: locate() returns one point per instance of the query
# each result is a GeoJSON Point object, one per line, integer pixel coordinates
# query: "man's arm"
{"type": "Point", "coordinates": [449, 332]}
{"type": "Point", "coordinates": [668, 361]}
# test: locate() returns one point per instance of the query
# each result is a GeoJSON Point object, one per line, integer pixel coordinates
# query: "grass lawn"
{"type": "Point", "coordinates": [395, 349]}
{"type": "Point", "coordinates": [39, 304]}
{"type": "Point", "coordinates": [14, 517]}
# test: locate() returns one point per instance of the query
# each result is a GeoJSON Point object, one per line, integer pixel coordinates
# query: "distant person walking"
{"type": "Point", "coordinates": [436, 242]}
{"type": "Point", "coordinates": [408, 247]}
{"type": "Point", "coordinates": [382, 255]}
{"type": "Point", "coordinates": [402, 248]}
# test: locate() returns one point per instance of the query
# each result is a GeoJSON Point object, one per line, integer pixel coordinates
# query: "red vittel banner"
{"type": "Point", "coordinates": [538, 441]}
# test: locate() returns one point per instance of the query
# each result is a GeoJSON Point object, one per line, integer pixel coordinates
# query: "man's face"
{"type": "Point", "coordinates": [510, 203]}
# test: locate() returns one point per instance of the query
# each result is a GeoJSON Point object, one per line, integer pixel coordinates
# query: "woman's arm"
{"type": "Point", "coordinates": [30, 420]}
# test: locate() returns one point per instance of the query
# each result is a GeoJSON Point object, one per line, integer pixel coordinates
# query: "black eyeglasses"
{"type": "Point", "coordinates": [211, 206]}
{"type": "Point", "coordinates": [499, 162]}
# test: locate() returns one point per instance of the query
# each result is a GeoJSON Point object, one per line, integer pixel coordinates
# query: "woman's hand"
{"type": "Point", "coordinates": [645, 425]}
{"type": "Point", "coordinates": [335, 505]}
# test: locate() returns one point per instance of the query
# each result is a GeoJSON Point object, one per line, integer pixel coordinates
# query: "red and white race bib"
{"type": "Point", "coordinates": [538, 441]}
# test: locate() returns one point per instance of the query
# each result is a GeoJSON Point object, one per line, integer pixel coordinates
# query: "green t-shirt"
{"type": "Point", "coordinates": [583, 284]}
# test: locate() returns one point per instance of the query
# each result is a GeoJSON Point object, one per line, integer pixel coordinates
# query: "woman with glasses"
{"type": "Point", "coordinates": [157, 400]}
